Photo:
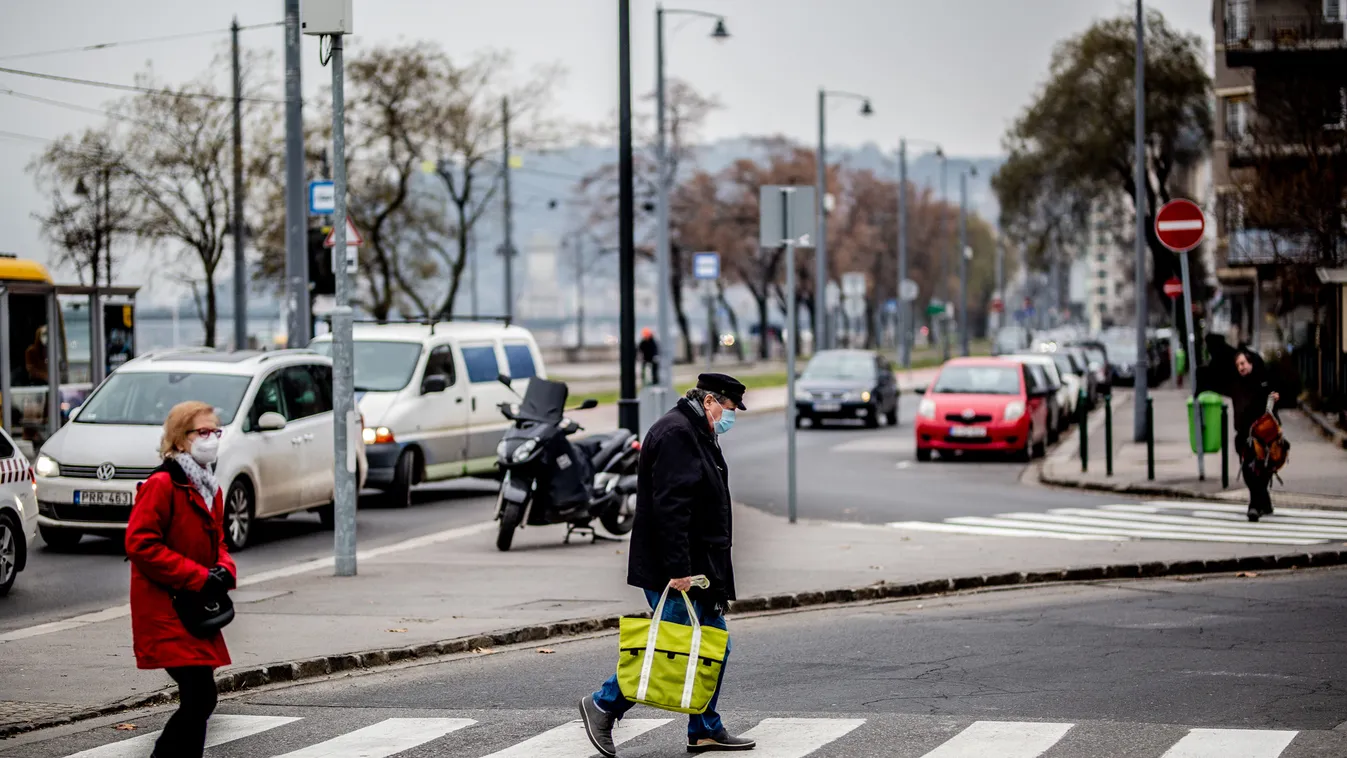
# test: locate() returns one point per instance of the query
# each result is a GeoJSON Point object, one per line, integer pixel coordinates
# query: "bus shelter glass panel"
{"type": "Point", "coordinates": [30, 341]}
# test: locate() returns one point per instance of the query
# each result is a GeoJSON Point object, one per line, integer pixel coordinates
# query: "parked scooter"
{"type": "Point", "coordinates": [550, 480]}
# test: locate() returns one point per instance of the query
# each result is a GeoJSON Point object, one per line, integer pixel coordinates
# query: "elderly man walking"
{"type": "Point", "coordinates": [683, 529]}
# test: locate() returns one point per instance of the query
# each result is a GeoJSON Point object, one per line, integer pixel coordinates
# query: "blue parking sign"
{"type": "Point", "coordinates": [706, 265]}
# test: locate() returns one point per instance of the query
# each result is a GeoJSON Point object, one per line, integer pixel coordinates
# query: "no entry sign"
{"type": "Point", "coordinates": [1180, 225]}
{"type": "Point", "coordinates": [1174, 287]}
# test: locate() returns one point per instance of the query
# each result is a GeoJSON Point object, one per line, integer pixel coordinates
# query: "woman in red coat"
{"type": "Point", "coordinates": [175, 542]}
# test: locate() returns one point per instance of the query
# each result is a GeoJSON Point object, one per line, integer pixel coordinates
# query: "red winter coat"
{"type": "Point", "coordinates": [172, 540]}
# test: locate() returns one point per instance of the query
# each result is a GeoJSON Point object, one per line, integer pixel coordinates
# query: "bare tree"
{"type": "Point", "coordinates": [90, 200]}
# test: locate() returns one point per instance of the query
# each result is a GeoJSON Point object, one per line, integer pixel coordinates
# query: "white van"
{"type": "Point", "coordinates": [429, 395]}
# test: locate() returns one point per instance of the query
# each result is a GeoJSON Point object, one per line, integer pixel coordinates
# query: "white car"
{"type": "Point", "coordinates": [1068, 386]}
{"type": "Point", "coordinates": [18, 512]}
{"type": "Point", "coordinates": [430, 397]}
{"type": "Point", "coordinates": [276, 454]}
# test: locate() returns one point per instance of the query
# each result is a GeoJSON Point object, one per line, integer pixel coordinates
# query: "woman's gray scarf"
{"type": "Point", "coordinates": [200, 477]}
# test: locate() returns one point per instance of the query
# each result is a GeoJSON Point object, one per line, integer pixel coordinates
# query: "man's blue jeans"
{"type": "Point", "coordinates": [609, 697]}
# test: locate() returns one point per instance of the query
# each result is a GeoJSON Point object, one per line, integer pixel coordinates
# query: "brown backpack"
{"type": "Point", "coordinates": [1267, 444]}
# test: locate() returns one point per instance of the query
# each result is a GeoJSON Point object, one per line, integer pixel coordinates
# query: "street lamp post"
{"type": "Point", "coordinates": [822, 333]}
{"type": "Point", "coordinates": [662, 182]}
{"type": "Point", "coordinates": [965, 253]}
{"type": "Point", "coordinates": [905, 308]}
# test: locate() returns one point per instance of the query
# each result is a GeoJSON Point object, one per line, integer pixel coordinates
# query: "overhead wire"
{"type": "Point", "coordinates": [135, 88]}
{"type": "Point", "coordinates": [140, 41]}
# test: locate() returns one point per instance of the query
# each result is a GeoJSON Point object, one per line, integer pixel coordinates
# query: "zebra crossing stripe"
{"type": "Point", "coordinates": [1208, 525]}
{"type": "Point", "coordinates": [1003, 739]}
{"type": "Point", "coordinates": [1043, 525]}
{"type": "Point", "coordinates": [219, 730]}
{"type": "Point", "coordinates": [1228, 508]}
{"type": "Point", "coordinates": [388, 737]}
{"type": "Point", "coordinates": [796, 738]}
{"type": "Point", "coordinates": [1276, 519]}
{"type": "Point", "coordinates": [1231, 743]}
{"type": "Point", "coordinates": [569, 740]}
{"type": "Point", "coordinates": [995, 530]}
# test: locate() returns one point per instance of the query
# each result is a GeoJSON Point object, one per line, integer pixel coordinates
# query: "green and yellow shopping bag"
{"type": "Point", "coordinates": [670, 666]}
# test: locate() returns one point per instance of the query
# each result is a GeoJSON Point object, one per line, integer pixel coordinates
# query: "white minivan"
{"type": "Point", "coordinates": [429, 396]}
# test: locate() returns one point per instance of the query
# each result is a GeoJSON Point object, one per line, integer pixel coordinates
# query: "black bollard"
{"type": "Point", "coordinates": [1108, 434]}
{"type": "Point", "coordinates": [1150, 439]}
{"type": "Point", "coordinates": [1225, 448]}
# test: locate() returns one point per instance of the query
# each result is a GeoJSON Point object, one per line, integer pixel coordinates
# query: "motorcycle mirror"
{"type": "Point", "coordinates": [503, 379]}
{"type": "Point", "coordinates": [589, 403]}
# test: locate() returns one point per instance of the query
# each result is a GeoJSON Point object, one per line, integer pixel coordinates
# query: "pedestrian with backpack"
{"type": "Point", "coordinates": [1258, 440]}
{"type": "Point", "coordinates": [181, 574]}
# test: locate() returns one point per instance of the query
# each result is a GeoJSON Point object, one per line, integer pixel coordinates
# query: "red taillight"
{"type": "Point", "coordinates": [635, 444]}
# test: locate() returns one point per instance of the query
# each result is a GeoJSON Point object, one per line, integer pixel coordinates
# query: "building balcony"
{"type": "Point", "coordinates": [1265, 38]}
{"type": "Point", "coordinates": [1265, 247]}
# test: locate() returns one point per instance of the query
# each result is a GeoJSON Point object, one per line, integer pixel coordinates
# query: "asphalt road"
{"type": "Point", "coordinates": [93, 576]}
{"type": "Point", "coordinates": [849, 473]}
{"type": "Point", "coordinates": [1119, 669]}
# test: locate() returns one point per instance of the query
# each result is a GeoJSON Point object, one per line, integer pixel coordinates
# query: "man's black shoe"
{"type": "Point", "coordinates": [598, 726]}
{"type": "Point", "coordinates": [1253, 514]}
{"type": "Point", "coordinates": [721, 740]}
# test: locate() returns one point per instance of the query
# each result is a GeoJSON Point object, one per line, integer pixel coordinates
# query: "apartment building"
{"type": "Point", "coordinates": [1295, 53]}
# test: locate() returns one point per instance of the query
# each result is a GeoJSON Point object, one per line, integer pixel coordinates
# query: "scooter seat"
{"type": "Point", "coordinates": [609, 445]}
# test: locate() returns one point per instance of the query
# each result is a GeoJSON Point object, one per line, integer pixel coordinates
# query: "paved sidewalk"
{"type": "Point", "coordinates": [1313, 477]}
{"type": "Point", "coordinates": [456, 584]}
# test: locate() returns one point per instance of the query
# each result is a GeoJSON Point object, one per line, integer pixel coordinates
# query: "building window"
{"type": "Point", "coordinates": [1236, 118]}
{"type": "Point", "coordinates": [1102, 290]}
{"type": "Point", "coordinates": [1117, 288]}
{"type": "Point", "coordinates": [1103, 274]}
{"type": "Point", "coordinates": [1237, 21]}
{"type": "Point", "coordinates": [1333, 10]}
{"type": "Point", "coordinates": [1335, 110]}
{"type": "Point", "coordinates": [1102, 257]}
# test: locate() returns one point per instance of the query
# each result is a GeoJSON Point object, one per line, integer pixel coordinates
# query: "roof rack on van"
{"type": "Point", "coordinates": [160, 352]}
{"type": "Point", "coordinates": [269, 354]}
{"type": "Point", "coordinates": [429, 321]}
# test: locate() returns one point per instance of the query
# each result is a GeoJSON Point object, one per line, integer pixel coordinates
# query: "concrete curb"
{"type": "Point", "coordinates": [239, 680]}
{"type": "Point", "coordinates": [1325, 425]}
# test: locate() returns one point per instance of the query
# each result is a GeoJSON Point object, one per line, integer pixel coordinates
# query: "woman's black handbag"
{"type": "Point", "coordinates": [203, 617]}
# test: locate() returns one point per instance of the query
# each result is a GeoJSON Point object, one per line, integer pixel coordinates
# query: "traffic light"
{"type": "Point", "coordinates": [322, 279]}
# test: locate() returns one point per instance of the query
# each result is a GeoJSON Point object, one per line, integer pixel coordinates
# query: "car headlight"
{"type": "Point", "coordinates": [926, 408]}
{"type": "Point", "coordinates": [1014, 411]}
{"type": "Point", "coordinates": [373, 436]}
{"type": "Point", "coordinates": [865, 396]}
{"type": "Point", "coordinates": [803, 395]}
{"type": "Point", "coordinates": [47, 467]}
{"type": "Point", "coordinates": [523, 452]}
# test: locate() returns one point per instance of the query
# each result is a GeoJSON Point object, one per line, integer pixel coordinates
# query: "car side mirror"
{"type": "Point", "coordinates": [503, 379]}
{"type": "Point", "coordinates": [271, 421]}
{"type": "Point", "coordinates": [434, 383]}
{"type": "Point", "coordinates": [589, 403]}
{"type": "Point", "coordinates": [920, 390]}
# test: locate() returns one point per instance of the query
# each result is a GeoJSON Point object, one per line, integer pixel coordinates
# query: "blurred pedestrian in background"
{"type": "Point", "coordinates": [649, 357]}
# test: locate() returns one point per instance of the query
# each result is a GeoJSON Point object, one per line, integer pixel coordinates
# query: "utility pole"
{"type": "Point", "coordinates": [300, 323]}
{"type": "Point", "coordinates": [578, 249]}
{"type": "Point", "coordinates": [1140, 179]}
{"type": "Point", "coordinates": [343, 351]}
{"type": "Point", "coordinates": [942, 320]}
{"type": "Point", "coordinates": [1000, 276]}
{"type": "Point", "coordinates": [662, 263]}
{"type": "Point", "coordinates": [628, 409]}
{"type": "Point", "coordinates": [240, 266]}
{"type": "Point", "coordinates": [822, 337]}
{"type": "Point", "coordinates": [964, 254]}
{"type": "Point", "coordinates": [507, 249]}
{"type": "Point", "coordinates": [904, 317]}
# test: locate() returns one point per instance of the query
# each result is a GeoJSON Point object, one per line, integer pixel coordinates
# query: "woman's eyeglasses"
{"type": "Point", "coordinates": [207, 433]}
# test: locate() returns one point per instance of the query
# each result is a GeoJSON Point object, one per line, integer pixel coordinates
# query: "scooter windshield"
{"type": "Point", "coordinates": [544, 400]}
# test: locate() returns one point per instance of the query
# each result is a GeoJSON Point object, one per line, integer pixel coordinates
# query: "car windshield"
{"type": "Point", "coordinates": [845, 366]}
{"type": "Point", "coordinates": [144, 398]}
{"type": "Point", "coordinates": [1012, 338]}
{"type": "Point", "coordinates": [978, 380]}
{"type": "Point", "coordinates": [1121, 351]}
{"type": "Point", "coordinates": [380, 366]}
{"type": "Point", "coordinates": [1063, 364]}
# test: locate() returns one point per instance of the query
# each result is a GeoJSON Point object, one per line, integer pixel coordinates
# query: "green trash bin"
{"type": "Point", "coordinates": [1210, 403]}
{"type": "Point", "coordinates": [1181, 361]}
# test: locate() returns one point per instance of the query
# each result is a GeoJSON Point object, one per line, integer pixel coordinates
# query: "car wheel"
{"type": "Point", "coordinates": [399, 494]}
{"type": "Point", "coordinates": [872, 417]}
{"type": "Point", "coordinates": [9, 552]}
{"type": "Point", "coordinates": [239, 515]}
{"type": "Point", "coordinates": [1040, 449]}
{"type": "Point", "coordinates": [327, 515]}
{"type": "Point", "coordinates": [799, 422]}
{"type": "Point", "coordinates": [923, 454]}
{"type": "Point", "coordinates": [1026, 454]}
{"type": "Point", "coordinates": [60, 539]}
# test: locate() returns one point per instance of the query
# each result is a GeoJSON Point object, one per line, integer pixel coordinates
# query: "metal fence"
{"type": "Point", "coordinates": [1284, 33]}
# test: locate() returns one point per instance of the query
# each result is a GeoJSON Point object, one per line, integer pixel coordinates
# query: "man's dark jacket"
{"type": "Point", "coordinates": [683, 521]}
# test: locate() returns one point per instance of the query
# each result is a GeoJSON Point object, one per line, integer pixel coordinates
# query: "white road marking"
{"type": "Point", "coordinates": [1086, 525]}
{"type": "Point", "coordinates": [248, 580]}
{"type": "Point", "coordinates": [1242, 526]}
{"type": "Point", "coordinates": [388, 737]}
{"type": "Point", "coordinates": [1231, 743]}
{"type": "Point", "coordinates": [219, 730]}
{"type": "Point", "coordinates": [569, 740]}
{"type": "Point", "coordinates": [1003, 739]}
{"type": "Point", "coordinates": [796, 738]}
{"type": "Point", "coordinates": [1229, 508]}
{"type": "Point", "coordinates": [997, 531]}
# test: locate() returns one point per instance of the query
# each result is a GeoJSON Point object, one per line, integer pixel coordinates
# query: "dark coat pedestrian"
{"type": "Point", "coordinates": [1249, 388]}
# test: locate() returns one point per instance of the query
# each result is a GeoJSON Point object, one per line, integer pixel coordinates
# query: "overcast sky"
{"type": "Point", "coordinates": [956, 71]}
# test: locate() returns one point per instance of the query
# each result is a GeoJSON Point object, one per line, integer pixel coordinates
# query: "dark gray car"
{"type": "Point", "coordinates": [847, 385]}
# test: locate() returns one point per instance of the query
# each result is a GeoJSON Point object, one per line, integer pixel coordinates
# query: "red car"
{"type": "Point", "coordinates": [983, 404]}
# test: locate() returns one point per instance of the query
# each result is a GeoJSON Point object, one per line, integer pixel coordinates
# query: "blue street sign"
{"type": "Point", "coordinates": [890, 306]}
{"type": "Point", "coordinates": [706, 265]}
{"type": "Point", "coordinates": [322, 198]}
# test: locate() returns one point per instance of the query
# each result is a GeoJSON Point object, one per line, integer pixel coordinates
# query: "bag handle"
{"type": "Point", "coordinates": [693, 654]}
